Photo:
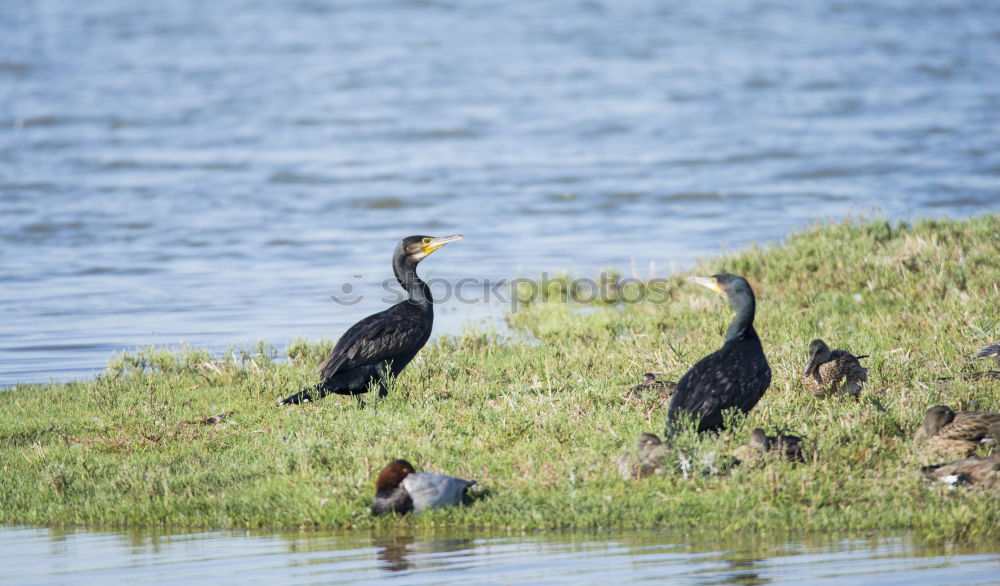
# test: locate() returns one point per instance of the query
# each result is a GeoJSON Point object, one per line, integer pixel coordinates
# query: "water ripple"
{"type": "Point", "coordinates": [32, 556]}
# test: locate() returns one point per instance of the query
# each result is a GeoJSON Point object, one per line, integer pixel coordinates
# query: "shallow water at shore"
{"type": "Point", "coordinates": [44, 556]}
{"type": "Point", "coordinates": [214, 172]}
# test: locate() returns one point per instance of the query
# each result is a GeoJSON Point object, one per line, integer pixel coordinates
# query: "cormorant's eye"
{"type": "Point", "coordinates": [427, 240]}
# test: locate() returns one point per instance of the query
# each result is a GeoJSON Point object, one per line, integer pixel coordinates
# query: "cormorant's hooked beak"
{"type": "Point", "coordinates": [709, 282]}
{"type": "Point", "coordinates": [813, 364]}
{"type": "Point", "coordinates": [432, 244]}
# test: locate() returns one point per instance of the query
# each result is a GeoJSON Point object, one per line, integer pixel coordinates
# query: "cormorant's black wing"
{"type": "Point", "coordinates": [734, 376]}
{"type": "Point", "coordinates": [380, 336]}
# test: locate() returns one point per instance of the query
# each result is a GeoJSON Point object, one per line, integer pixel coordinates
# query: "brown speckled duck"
{"type": "Point", "coordinates": [829, 369]}
{"type": "Point", "coordinates": [946, 432]}
{"type": "Point", "coordinates": [650, 384]}
{"type": "Point", "coordinates": [973, 470]}
{"type": "Point", "coordinates": [979, 471]}
{"type": "Point", "coordinates": [646, 460]}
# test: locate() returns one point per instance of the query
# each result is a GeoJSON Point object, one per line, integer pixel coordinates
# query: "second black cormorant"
{"type": "Point", "coordinates": [382, 344]}
{"type": "Point", "coordinates": [735, 376]}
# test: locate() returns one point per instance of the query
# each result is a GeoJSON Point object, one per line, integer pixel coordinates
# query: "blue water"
{"type": "Point", "coordinates": [40, 556]}
{"type": "Point", "coordinates": [212, 172]}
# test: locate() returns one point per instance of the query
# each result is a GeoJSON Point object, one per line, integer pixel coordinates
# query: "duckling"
{"type": "Point", "coordinates": [827, 368]}
{"type": "Point", "coordinates": [948, 432]}
{"type": "Point", "coordinates": [646, 460]}
{"type": "Point", "coordinates": [650, 383]}
{"type": "Point", "coordinates": [400, 489]}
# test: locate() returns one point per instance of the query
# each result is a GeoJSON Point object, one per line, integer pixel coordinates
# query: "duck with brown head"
{"type": "Point", "coordinates": [381, 345]}
{"type": "Point", "coordinates": [400, 489]}
{"type": "Point", "coordinates": [390, 496]}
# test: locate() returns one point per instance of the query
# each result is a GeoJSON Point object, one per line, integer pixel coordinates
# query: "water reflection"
{"type": "Point", "coordinates": [37, 556]}
{"type": "Point", "coordinates": [405, 552]}
{"type": "Point", "coordinates": [742, 572]}
{"type": "Point", "coordinates": [393, 551]}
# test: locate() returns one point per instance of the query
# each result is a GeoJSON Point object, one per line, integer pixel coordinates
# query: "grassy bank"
{"type": "Point", "coordinates": [538, 423]}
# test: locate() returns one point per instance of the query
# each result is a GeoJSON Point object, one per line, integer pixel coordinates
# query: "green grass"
{"type": "Point", "coordinates": [539, 419]}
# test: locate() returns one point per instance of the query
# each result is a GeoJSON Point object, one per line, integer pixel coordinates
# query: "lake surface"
{"type": "Point", "coordinates": [212, 172]}
{"type": "Point", "coordinates": [46, 556]}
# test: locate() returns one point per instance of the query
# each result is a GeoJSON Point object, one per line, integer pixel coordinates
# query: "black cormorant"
{"type": "Point", "coordinates": [383, 343]}
{"type": "Point", "coordinates": [735, 376]}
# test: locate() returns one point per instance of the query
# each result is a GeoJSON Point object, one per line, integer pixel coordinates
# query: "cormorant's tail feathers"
{"type": "Point", "coordinates": [306, 395]}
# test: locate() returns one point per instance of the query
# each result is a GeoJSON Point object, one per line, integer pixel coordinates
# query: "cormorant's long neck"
{"type": "Point", "coordinates": [742, 326]}
{"type": "Point", "coordinates": [406, 274]}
